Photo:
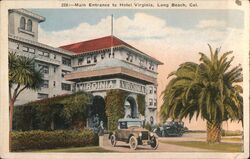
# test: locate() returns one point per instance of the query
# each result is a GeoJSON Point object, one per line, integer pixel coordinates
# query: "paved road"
{"type": "Point", "coordinates": [123, 147]}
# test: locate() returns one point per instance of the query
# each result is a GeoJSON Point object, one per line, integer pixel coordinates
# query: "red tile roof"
{"type": "Point", "coordinates": [96, 44]}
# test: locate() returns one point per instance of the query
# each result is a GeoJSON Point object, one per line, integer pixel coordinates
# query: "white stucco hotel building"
{"type": "Point", "coordinates": [94, 66]}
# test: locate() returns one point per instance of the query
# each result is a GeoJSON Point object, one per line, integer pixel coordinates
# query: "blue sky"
{"type": "Point", "coordinates": [185, 19]}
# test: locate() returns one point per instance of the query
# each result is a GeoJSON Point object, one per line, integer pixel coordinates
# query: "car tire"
{"type": "Point", "coordinates": [113, 140]}
{"type": "Point", "coordinates": [133, 143]}
{"type": "Point", "coordinates": [154, 143]}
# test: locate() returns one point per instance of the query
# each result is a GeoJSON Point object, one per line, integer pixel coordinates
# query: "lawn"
{"type": "Point", "coordinates": [222, 147]}
{"type": "Point", "coordinates": [74, 149]}
{"type": "Point", "coordinates": [236, 139]}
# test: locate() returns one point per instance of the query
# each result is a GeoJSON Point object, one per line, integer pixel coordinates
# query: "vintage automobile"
{"type": "Point", "coordinates": [131, 131]}
{"type": "Point", "coordinates": [172, 128]}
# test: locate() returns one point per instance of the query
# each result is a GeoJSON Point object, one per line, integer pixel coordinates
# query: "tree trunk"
{"type": "Point", "coordinates": [11, 109]}
{"type": "Point", "coordinates": [213, 132]}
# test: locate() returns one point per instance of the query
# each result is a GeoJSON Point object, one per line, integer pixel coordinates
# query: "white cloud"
{"type": "Point", "coordinates": [204, 24]}
{"type": "Point", "coordinates": [155, 37]}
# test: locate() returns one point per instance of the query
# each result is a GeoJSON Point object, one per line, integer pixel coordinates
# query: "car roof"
{"type": "Point", "coordinates": [129, 119]}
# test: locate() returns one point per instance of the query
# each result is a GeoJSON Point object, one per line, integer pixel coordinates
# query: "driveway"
{"type": "Point", "coordinates": [163, 147]}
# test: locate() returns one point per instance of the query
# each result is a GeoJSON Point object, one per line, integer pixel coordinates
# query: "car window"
{"type": "Point", "coordinates": [123, 125]}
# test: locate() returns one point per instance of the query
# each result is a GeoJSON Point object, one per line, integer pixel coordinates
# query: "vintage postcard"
{"type": "Point", "coordinates": [125, 78]}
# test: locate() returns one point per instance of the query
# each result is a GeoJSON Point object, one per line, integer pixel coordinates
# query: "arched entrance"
{"type": "Point", "coordinates": [130, 106]}
{"type": "Point", "coordinates": [97, 112]}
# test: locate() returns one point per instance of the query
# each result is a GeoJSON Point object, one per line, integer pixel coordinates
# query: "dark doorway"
{"type": "Point", "coordinates": [98, 110]}
{"type": "Point", "coordinates": [133, 107]}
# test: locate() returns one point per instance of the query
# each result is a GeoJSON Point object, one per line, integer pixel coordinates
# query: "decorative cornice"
{"type": "Point", "coordinates": [29, 13]}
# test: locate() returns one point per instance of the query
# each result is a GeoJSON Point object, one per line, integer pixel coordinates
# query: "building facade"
{"type": "Point", "coordinates": [94, 66]}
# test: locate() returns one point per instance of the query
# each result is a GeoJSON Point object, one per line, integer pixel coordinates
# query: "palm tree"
{"type": "Point", "coordinates": [208, 90]}
{"type": "Point", "coordinates": [22, 75]}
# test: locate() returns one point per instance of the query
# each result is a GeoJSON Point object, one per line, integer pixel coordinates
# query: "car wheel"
{"type": "Point", "coordinates": [113, 140]}
{"type": "Point", "coordinates": [154, 143]}
{"type": "Point", "coordinates": [133, 143]}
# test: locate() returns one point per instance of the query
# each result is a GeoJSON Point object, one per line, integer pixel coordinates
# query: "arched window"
{"type": "Point", "coordinates": [29, 25]}
{"type": "Point", "coordinates": [22, 23]}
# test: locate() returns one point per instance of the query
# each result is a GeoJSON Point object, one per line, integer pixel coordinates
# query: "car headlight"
{"type": "Point", "coordinates": [140, 134]}
{"type": "Point", "coordinates": [151, 134]}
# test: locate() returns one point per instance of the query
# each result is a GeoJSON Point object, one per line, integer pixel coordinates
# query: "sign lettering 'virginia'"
{"type": "Point", "coordinates": [111, 84]}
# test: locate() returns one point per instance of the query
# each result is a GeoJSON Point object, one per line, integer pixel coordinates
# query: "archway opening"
{"type": "Point", "coordinates": [130, 108]}
{"type": "Point", "coordinates": [97, 112]}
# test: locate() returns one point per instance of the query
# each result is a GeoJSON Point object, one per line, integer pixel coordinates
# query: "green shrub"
{"type": "Point", "coordinates": [61, 112]}
{"type": "Point", "coordinates": [38, 139]}
{"type": "Point", "coordinates": [115, 107]}
{"type": "Point", "coordinates": [141, 103]}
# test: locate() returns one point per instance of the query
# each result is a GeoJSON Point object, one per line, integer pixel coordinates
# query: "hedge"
{"type": "Point", "coordinates": [115, 106]}
{"type": "Point", "coordinates": [141, 103]}
{"type": "Point", "coordinates": [37, 139]}
{"type": "Point", "coordinates": [67, 111]}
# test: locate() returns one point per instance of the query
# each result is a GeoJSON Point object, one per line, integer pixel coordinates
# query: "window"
{"type": "Point", "coordinates": [80, 60]}
{"type": "Point", "coordinates": [151, 66]}
{"type": "Point", "coordinates": [45, 84]}
{"type": "Point", "coordinates": [102, 56]}
{"type": "Point", "coordinates": [54, 69]}
{"type": "Point", "coordinates": [22, 23]}
{"type": "Point", "coordinates": [142, 62]}
{"type": "Point", "coordinates": [46, 54]}
{"type": "Point", "coordinates": [88, 60]}
{"type": "Point", "coordinates": [150, 90]}
{"type": "Point", "coordinates": [52, 56]}
{"type": "Point", "coordinates": [66, 61]}
{"type": "Point", "coordinates": [113, 55]}
{"type": "Point", "coordinates": [25, 49]}
{"type": "Point", "coordinates": [54, 83]}
{"type": "Point", "coordinates": [42, 95]}
{"type": "Point", "coordinates": [18, 46]}
{"type": "Point", "coordinates": [66, 87]}
{"type": "Point", "coordinates": [150, 102]}
{"type": "Point", "coordinates": [64, 72]}
{"type": "Point", "coordinates": [95, 59]}
{"type": "Point", "coordinates": [41, 53]}
{"type": "Point", "coordinates": [29, 25]}
{"type": "Point", "coordinates": [155, 90]}
{"type": "Point", "coordinates": [31, 50]}
{"type": "Point", "coordinates": [44, 68]}
{"type": "Point", "coordinates": [155, 102]}
{"type": "Point", "coordinates": [129, 58]}
{"type": "Point", "coordinates": [123, 125]}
